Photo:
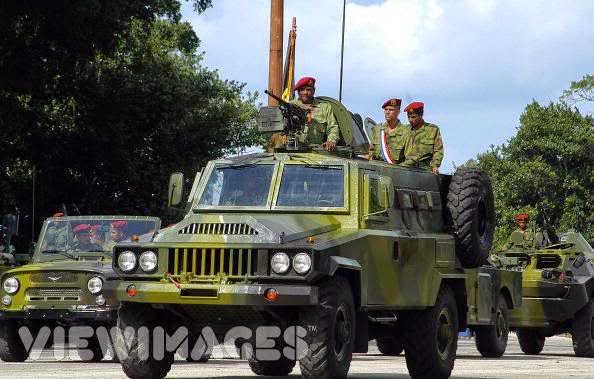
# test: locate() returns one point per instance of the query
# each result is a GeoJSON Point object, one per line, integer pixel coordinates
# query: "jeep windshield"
{"type": "Point", "coordinates": [309, 186]}
{"type": "Point", "coordinates": [74, 238]}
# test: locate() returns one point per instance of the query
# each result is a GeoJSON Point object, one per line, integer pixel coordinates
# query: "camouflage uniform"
{"type": "Point", "coordinates": [529, 238]}
{"type": "Point", "coordinates": [423, 147]}
{"type": "Point", "coordinates": [323, 126]}
{"type": "Point", "coordinates": [56, 238]}
{"type": "Point", "coordinates": [395, 141]}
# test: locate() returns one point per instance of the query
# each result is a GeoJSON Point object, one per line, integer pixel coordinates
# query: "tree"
{"type": "Point", "coordinates": [581, 90]}
{"type": "Point", "coordinates": [546, 170]}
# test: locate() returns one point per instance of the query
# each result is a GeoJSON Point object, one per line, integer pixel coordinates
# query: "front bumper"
{"type": "Point", "coordinates": [67, 315]}
{"type": "Point", "coordinates": [213, 294]}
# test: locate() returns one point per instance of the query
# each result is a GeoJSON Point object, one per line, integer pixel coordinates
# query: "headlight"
{"type": "Point", "coordinates": [302, 263]}
{"type": "Point", "coordinates": [148, 261]}
{"type": "Point", "coordinates": [11, 285]}
{"type": "Point", "coordinates": [127, 261]}
{"type": "Point", "coordinates": [280, 263]}
{"type": "Point", "coordinates": [95, 285]}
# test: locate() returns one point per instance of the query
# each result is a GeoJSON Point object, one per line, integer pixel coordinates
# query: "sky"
{"type": "Point", "coordinates": [475, 64]}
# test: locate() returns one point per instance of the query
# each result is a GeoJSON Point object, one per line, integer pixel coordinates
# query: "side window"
{"type": "Point", "coordinates": [374, 201]}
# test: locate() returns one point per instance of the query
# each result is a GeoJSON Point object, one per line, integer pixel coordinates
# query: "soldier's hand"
{"type": "Point", "coordinates": [435, 170]}
{"type": "Point", "coordinates": [330, 146]}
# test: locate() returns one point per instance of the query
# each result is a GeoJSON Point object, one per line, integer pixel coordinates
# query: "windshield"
{"type": "Point", "coordinates": [93, 235]}
{"type": "Point", "coordinates": [312, 186]}
{"type": "Point", "coordinates": [242, 185]}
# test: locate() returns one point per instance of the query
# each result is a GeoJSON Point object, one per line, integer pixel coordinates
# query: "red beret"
{"type": "Point", "coordinates": [522, 217]}
{"type": "Point", "coordinates": [414, 107]}
{"type": "Point", "coordinates": [59, 214]}
{"type": "Point", "coordinates": [94, 228]}
{"type": "Point", "coordinates": [81, 228]}
{"type": "Point", "coordinates": [119, 224]}
{"type": "Point", "coordinates": [307, 81]}
{"type": "Point", "coordinates": [392, 103]}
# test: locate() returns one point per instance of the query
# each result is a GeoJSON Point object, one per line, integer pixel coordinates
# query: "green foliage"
{"type": "Point", "coordinates": [546, 170]}
{"type": "Point", "coordinates": [582, 90]}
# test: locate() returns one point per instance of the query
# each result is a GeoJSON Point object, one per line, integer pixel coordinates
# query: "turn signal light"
{"type": "Point", "coordinates": [271, 295]}
{"type": "Point", "coordinates": [131, 290]}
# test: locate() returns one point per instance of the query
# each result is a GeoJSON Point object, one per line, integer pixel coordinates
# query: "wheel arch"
{"type": "Point", "coordinates": [505, 292]}
{"type": "Point", "coordinates": [458, 285]}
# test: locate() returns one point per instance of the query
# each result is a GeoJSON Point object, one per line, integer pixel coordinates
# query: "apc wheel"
{"type": "Point", "coordinates": [582, 332]}
{"type": "Point", "coordinates": [531, 341]}
{"type": "Point", "coordinates": [282, 367]}
{"type": "Point", "coordinates": [11, 345]}
{"type": "Point", "coordinates": [471, 205]}
{"type": "Point", "coordinates": [390, 346]}
{"type": "Point", "coordinates": [138, 361]}
{"type": "Point", "coordinates": [431, 338]}
{"type": "Point", "coordinates": [330, 332]}
{"type": "Point", "coordinates": [491, 341]}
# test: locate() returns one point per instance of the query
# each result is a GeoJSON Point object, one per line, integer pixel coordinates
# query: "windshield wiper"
{"type": "Point", "coordinates": [61, 252]}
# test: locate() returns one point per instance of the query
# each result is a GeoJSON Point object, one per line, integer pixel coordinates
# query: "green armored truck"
{"type": "Point", "coordinates": [557, 291]}
{"type": "Point", "coordinates": [63, 286]}
{"type": "Point", "coordinates": [331, 249]}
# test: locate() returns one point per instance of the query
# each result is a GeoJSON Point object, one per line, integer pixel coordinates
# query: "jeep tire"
{"type": "Point", "coordinates": [390, 346]}
{"type": "Point", "coordinates": [431, 338]}
{"type": "Point", "coordinates": [471, 206]}
{"type": "Point", "coordinates": [137, 360]}
{"type": "Point", "coordinates": [11, 345]}
{"type": "Point", "coordinates": [330, 331]}
{"type": "Point", "coordinates": [491, 340]}
{"type": "Point", "coordinates": [582, 331]}
{"type": "Point", "coordinates": [531, 341]}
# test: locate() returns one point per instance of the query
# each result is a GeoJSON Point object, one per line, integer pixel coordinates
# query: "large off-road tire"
{"type": "Point", "coordinates": [582, 331]}
{"type": "Point", "coordinates": [11, 345]}
{"type": "Point", "coordinates": [330, 332]}
{"type": "Point", "coordinates": [132, 359]}
{"type": "Point", "coordinates": [431, 338]}
{"type": "Point", "coordinates": [471, 206]}
{"type": "Point", "coordinates": [282, 367]}
{"type": "Point", "coordinates": [390, 346]}
{"type": "Point", "coordinates": [491, 341]}
{"type": "Point", "coordinates": [531, 341]}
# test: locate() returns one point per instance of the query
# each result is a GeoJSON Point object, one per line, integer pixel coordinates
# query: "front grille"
{"type": "Point", "coordinates": [54, 294]}
{"type": "Point", "coordinates": [219, 229]}
{"type": "Point", "coordinates": [54, 277]}
{"type": "Point", "coordinates": [213, 262]}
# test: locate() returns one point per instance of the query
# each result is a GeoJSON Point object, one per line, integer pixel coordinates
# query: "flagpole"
{"type": "Point", "coordinates": [342, 49]}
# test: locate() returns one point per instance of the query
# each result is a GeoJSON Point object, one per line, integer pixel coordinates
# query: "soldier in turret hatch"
{"type": "Point", "coordinates": [321, 127]}
{"type": "Point", "coordinates": [522, 221]}
{"type": "Point", "coordinates": [387, 139]}
{"type": "Point", "coordinates": [423, 147]}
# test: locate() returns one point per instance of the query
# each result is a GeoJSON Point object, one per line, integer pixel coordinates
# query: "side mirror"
{"type": "Point", "coordinates": [176, 188]}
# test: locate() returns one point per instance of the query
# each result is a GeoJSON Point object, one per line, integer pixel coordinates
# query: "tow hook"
{"type": "Point", "coordinates": [170, 278]}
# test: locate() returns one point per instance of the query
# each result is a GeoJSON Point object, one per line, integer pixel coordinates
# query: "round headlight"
{"type": "Point", "coordinates": [148, 261]}
{"type": "Point", "coordinates": [302, 263]}
{"type": "Point", "coordinates": [11, 285]}
{"type": "Point", "coordinates": [280, 263]}
{"type": "Point", "coordinates": [127, 261]}
{"type": "Point", "coordinates": [95, 285]}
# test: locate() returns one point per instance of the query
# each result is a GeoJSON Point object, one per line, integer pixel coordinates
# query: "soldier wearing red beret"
{"type": "Point", "coordinates": [424, 146]}
{"type": "Point", "coordinates": [321, 127]}
{"type": "Point", "coordinates": [529, 235]}
{"type": "Point", "coordinates": [117, 233]}
{"type": "Point", "coordinates": [387, 139]}
{"type": "Point", "coordinates": [82, 233]}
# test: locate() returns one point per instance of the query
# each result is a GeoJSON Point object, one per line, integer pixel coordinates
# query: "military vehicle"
{"type": "Point", "coordinates": [349, 249]}
{"type": "Point", "coordinates": [63, 284]}
{"type": "Point", "coordinates": [557, 291]}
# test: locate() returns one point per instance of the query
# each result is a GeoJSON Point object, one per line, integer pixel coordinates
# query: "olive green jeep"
{"type": "Point", "coordinates": [63, 286]}
{"type": "Point", "coordinates": [331, 249]}
{"type": "Point", "coordinates": [557, 291]}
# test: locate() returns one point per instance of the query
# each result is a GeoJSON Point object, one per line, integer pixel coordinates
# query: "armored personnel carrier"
{"type": "Point", "coordinates": [557, 291]}
{"type": "Point", "coordinates": [331, 249]}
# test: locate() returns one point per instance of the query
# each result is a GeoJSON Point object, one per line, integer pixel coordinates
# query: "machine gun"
{"type": "Point", "coordinates": [295, 117]}
{"type": "Point", "coordinates": [286, 120]}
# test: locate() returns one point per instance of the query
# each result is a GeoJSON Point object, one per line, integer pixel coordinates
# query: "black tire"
{"type": "Point", "coordinates": [531, 341]}
{"type": "Point", "coordinates": [95, 347]}
{"type": "Point", "coordinates": [582, 331]}
{"type": "Point", "coordinates": [282, 367]}
{"type": "Point", "coordinates": [431, 338]}
{"type": "Point", "coordinates": [491, 341]}
{"type": "Point", "coordinates": [390, 346]}
{"type": "Point", "coordinates": [471, 206]}
{"type": "Point", "coordinates": [11, 345]}
{"type": "Point", "coordinates": [132, 359]}
{"type": "Point", "coordinates": [330, 332]}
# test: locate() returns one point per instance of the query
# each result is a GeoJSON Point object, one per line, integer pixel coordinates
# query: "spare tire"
{"type": "Point", "coordinates": [471, 206]}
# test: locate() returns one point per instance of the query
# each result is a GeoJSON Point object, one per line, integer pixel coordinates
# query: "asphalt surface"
{"type": "Point", "coordinates": [556, 361]}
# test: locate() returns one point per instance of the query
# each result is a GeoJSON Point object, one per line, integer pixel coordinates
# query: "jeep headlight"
{"type": "Point", "coordinates": [11, 285]}
{"type": "Point", "coordinates": [280, 263]}
{"type": "Point", "coordinates": [127, 261]}
{"type": "Point", "coordinates": [148, 261]}
{"type": "Point", "coordinates": [302, 263]}
{"type": "Point", "coordinates": [95, 285]}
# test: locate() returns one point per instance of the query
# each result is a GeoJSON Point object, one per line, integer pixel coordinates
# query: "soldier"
{"type": "Point", "coordinates": [97, 235]}
{"type": "Point", "coordinates": [117, 233]}
{"type": "Point", "coordinates": [321, 127]}
{"type": "Point", "coordinates": [82, 232]}
{"type": "Point", "coordinates": [56, 234]}
{"type": "Point", "coordinates": [522, 221]}
{"type": "Point", "coordinates": [387, 139]}
{"type": "Point", "coordinates": [423, 147]}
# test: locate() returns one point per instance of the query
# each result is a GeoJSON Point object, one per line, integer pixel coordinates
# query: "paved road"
{"type": "Point", "coordinates": [556, 361]}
